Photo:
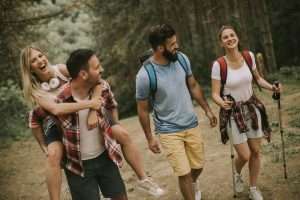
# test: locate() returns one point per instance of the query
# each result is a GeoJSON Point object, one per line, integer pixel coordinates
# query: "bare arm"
{"type": "Point", "coordinates": [65, 108]}
{"type": "Point", "coordinates": [38, 134]}
{"type": "Point", "coordinates": [63, 69]}
{"type": "Point", "coordinates": [92, 119]}
{"type": "Point", "coordinates": [143, 112]}
{"type": "Point", "coordinates": [197, 94]}
{"type": "Point", "coordinates": [216, 88]}
{"type": "Point", "coordinates": [265, 84]}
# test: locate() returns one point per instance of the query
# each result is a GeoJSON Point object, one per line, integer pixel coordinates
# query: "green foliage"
{"type": "Point", "coordinates": [13, 111]}
{"type": "Point", "coordinates": [285, 17]}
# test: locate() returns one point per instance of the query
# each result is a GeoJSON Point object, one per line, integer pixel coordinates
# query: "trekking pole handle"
{"type": "Point", "coordinates": [276, 95]}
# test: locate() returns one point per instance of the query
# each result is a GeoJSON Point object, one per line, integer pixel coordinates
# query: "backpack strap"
{"type": "Point", "coordinates": [247, 57]}
{"type": "Point", "coordinates": [182, 62]}
{"type": "Point", "coordinates": [223, 73]}
{"type": "Point", "coordinates": [149, 67]}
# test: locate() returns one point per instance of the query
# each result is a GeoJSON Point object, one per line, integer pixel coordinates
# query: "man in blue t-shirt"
{"type": "Point", "coordinates": [173, 113]}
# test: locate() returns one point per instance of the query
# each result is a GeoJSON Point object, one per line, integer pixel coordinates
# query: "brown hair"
{"type": "Point", "coordinates": [223, 28]}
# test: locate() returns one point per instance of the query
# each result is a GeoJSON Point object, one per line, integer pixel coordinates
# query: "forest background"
{"type": "Point", "coordinates": [118, 29]}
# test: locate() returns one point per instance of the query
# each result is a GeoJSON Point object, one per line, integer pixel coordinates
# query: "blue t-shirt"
{"type": "Point", "coordinates": [173, 107]}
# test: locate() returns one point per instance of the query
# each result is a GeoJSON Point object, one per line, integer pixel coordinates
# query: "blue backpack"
{"type": "Point", "coordinates": [149, 67]}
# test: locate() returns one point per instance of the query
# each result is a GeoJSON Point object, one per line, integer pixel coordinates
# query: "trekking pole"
{"type": "Point", "coordinates": [276, 96]}
{"type": "Point", "coordinates": [232, 158]}
{"type": "Point", "coordinates": [228, 97]}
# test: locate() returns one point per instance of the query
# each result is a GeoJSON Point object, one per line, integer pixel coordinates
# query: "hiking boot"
{"type": "Point", "coordinates": [149, 186]}
{"type": "Point", "coordinates": [197, 190]}
{"type": "Point", "coordinates": [239, 183]}
{"type": "Point", "coordinates": [254, 194]}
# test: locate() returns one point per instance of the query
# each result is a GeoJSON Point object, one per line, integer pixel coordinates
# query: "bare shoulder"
{"type": "Point", "coordinates": [63, 69]}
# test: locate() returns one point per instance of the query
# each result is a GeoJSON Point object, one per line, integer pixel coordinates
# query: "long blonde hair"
{"type": "Point", "coordinates": [30, 84]}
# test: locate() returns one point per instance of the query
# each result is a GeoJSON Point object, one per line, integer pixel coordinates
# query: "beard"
{"type": "Point", "coordinates": [170, 56]}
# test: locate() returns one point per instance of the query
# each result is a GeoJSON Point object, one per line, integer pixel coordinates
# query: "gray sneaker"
{"type": "Point", "coordinates": [149, 186]}
{"type": "Point", "coordinates": [239, 183]}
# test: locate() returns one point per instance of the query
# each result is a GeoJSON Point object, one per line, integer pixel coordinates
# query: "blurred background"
{"type": "Point", "coordinates": [118, 29]}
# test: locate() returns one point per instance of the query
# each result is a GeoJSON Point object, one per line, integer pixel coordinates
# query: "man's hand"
{"type": "Point", "coordinates": [212, 119]}
{"type": "Point", "coordinates": [153, 145]}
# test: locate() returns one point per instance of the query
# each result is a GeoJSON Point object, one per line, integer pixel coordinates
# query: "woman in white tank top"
{"type": "Point", "coordinates": [41, 84]}
{"type": "Point", "coordinates": [239, 85]}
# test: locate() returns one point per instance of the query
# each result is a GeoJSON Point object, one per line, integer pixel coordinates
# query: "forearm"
{"type": "Point", "coordinates": [264, 84]}
{"type": "Point", "coordinates": [67, 108]}
{"type": "Point", "coordinates": [217, 99]}
{"type": "Point", "coordinates": [145, 122]}
{"type": "Point", "coordinates": [198, 95]}
{"type": "Point", "coordinates": [63, 108]}
{"type": "Point", "coordinates": [97, 92]}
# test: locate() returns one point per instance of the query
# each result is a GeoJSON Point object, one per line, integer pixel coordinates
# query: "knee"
{"type": "Point", "coordinates": [255, 153]}
{"type": "Point", "coordinates": [54, 157]}
{"type": "Point", "coordinates": [124, 138]}
{"type": "Point", "coordinates": [244, 157]}
{"type": "Point", "coordinates": [185, 177]}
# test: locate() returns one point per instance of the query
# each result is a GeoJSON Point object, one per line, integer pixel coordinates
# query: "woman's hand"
{"type": "Point", "coordinates": [277, 87]}
{"type": "Point", "coordinates": [96, 103]}
{"type": "Point", "coordinates": [226, 104]}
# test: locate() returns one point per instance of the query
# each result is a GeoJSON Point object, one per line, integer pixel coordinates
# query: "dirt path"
{"type": "Point", "coordinates": [22, 164]}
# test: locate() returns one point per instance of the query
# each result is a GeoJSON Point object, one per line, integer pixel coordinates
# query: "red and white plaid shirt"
{"type": "Point", "coordinates": [71, 132]}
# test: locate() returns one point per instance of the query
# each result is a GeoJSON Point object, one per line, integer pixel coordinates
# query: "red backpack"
{"type": "Point", "coordinates": [223, 69]}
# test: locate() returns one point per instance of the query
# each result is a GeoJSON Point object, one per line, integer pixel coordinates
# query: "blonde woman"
{"type": "Point", "coordinates": [42, 82]}
{"type": "Point", "coordinates": [243, 117]}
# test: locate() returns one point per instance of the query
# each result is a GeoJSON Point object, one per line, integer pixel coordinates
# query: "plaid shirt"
{"type": "Point", "coordinates": [71, 132]}
{"type": "Point", "coordinates": [239, 118]}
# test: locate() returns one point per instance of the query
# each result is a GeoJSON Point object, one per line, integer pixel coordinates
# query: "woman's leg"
{"type": "Point", "coordinates": [130, 151]}
{"type": "Point", "coordinates": [254, 163]}
{"type": "Point", "coordinates": [243, 153]}
{"type": "Point", "coordinates": [53, 169]}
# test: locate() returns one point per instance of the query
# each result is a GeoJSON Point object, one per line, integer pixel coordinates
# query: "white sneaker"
{"type": "Point", "coordinates": [197, 190]}
{"type": "Point", "coordinates": [254, 194]}
{"type": "Point", "coordinates": [149, 186]}
{"type": "Point", "coordinates": [239, 183]}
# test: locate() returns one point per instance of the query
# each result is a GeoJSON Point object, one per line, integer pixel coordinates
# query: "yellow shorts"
{"type": "Point", "coordinates": [184, 150]}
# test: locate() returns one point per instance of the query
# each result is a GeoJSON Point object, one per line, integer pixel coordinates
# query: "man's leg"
{"type": "Point", "coordinates": [174, 147]}
{"type": "Point", "coordinates": [82, 188]}
{"type": "Point", "coordinates": [109, 178]}
{"type": "Point", "coordinates": [186, 187]}
{"type": "Point", "coordinates": [195, 174]}
{"type": "Point", "coordinates": [130, 150]}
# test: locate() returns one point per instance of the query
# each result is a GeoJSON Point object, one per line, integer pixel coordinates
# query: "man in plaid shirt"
{"type": "Point", "coordinates": [92, 158]}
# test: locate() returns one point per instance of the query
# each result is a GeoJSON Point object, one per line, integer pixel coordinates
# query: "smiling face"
{"type": "Point", "coordinates": [39, 64]}
{"type": "Point", "coordinates": [229, 39]}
